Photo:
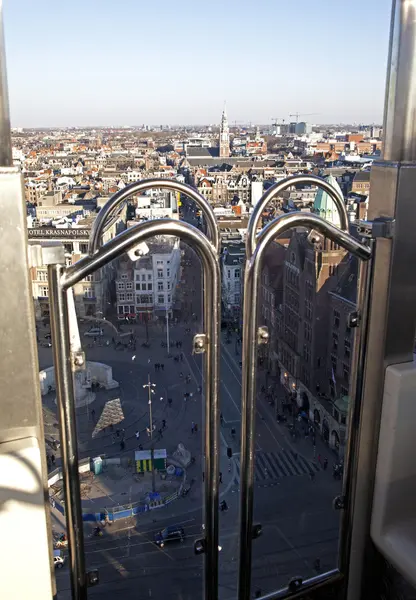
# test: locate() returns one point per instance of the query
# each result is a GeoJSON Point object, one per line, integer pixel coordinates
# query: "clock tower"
{"type": "Point", "coordinates": [224, 136]}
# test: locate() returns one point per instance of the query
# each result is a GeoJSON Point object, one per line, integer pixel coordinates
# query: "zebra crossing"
{"type": "Point", "coordinates": [270, 466]}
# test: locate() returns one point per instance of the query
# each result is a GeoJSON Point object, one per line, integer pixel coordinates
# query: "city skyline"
{"type": "Point", "coordinates": [65, 71]}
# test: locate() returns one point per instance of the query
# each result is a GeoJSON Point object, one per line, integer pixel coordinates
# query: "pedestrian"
{"type": "Point", "coordinates": [229, 466]}
{"type": "Point", "coordinates": [53, 459]}
{"type": "Point", "coordinates": [148, 361]}
{"type": "Point", "coordinates": [122, 445]}
{"type": "Point", "coordinates": [93, 413]}
{"type": "Point", "coordinates": [325, 464]}
{"type": "Point", "coordinates": [118, 432]}
{"type": "Point", "coordinates": [170, 401]}
{"type": "Point", "coordinates": [192, 427]}
{"type": "Point", "coordinates": [164, 423]}
{"type": "Point", "coordinates": [181, 375]}
{"type": "Point", "coordinates": [163, 366]}
{"type": "Point", "coordinates": [113, 438]}
{"type": "Point", "coordinates": [140, 447]}
{"type": "Point", "coordinates": [137, 434]}
{"type": "Point", "coordinates": [155, 366]}
{"type": "Point", "coordinates": [191, 395]}
{"type": "Point", "coordinates": [196, 427]}
{"type": "Point", "coordinates": [148, 431]}
{"type": "Point", "coordinates": [319, 458]}
{"type": "Point", "coordinates": [184, 397]}
{"type": "Point", "coordinates": [220, 477]}
{"type": "Point", "coordinates": [160, 433]}
{"type": "Point", "coordinates": [221, 419]}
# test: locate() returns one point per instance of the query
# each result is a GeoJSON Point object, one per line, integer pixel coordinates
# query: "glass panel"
{"type": "Point", "coordinates": [302, 403]}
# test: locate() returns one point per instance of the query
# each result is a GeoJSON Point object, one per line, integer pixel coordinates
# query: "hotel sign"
{"type": "Point", "coordinates": [51, 233]}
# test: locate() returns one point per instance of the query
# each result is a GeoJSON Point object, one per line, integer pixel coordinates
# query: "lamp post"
{"type": "Point", "coordinates": [149, 385]}
{"type": "Point", "coordinates": [167, 330]}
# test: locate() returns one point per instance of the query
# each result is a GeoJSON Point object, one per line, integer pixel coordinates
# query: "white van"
{"type": "Point", "coordinates": [94, 332]}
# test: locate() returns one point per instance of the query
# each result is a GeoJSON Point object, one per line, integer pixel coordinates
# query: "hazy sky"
{"type": "Point", "coordinates": [128, 62]}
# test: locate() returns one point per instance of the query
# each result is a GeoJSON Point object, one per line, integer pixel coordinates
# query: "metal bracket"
{"type": "Point", "coordinates": [199, 344]}
{"type": "Point", "coordinates": [353, 319]}
{"type": "Point", "coordinates": [199, 546]}
{"type": "Point", "coordinates": [262, 335]}
{"type": "Point", "coordinates": [78, 360]}
{"type": "Point", "coordinates": [314, 237]}
{"type": "Point", "coordinates": [256, 531]}
{"type": "Point", "coordinates": [295, 584]}
{"type": "Point", "coordinates": [381, 227]}
{"type": "Point", "coordinates": [138, 251]}
{"type": "Point", "coordinates": [339, 502]}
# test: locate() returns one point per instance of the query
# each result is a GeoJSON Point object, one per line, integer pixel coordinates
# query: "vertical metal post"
{"type": "Point", "coordinates": [392, 324]}
{"type": "Point", "coordinates": [68, 429]}
{"type": "Point", "coordinates": [167, 331]}
{"type": "Point", "coordinates": [6, 157]}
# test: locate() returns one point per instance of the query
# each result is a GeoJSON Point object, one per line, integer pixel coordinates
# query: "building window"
{"type": "Point", "coordinates": [143, 277]}
{"type": "Point", "coordinates": [306, 353]}
{"type": "Point", "coordinates": [168, 285]}
{"type": "Point", "coordinates": [137, 287]}
{"type": "Point", "coordinates": [124, 276]}
{"type": "Point", "coordinates": [121, 297]}
{"type": "Point", "coordinates": [129, 285]}
{"type": "Point", "coordinates": [159, 262]}
{"type": "Point", "coordinates": [129, 297]}
{"type": "Point", "coordinates": [343, 420]}
{"type": "Point", "coordinates": [161, 299]}
{"type": "Point", "coordinates": [160, 286]}
{"type": "Point", "coordinates": [44, 291]}
{"type": "Point", "coordinates": [149, 277]}
{"type": "Point", "coordinates": [334, 341]}
{"type": "Point", "coordinates": [334, 363]}
{"type": "Point", "coordinates": [169, 297]}
{"type": "Point", "coordinates": [344, 391]}
{"type": "Point", "coordinates": [137, 276]}
{"type": "Point", "coordinates": [120, 285]}
{"type": "Point", "coordinates": [83, 248]}
{"type": "Point", "coordinates": [347, 348]}
{"type": "Point", "coordinates": [42, 275]}
{"type": "Point", "coordinates": [150, 287]}
{"type": "Point", "coordinates": [120, 310]}
{"type": "Point", "coordinates": [88, 292]}
{"type": "Point", "coordinates": [336, 415]}
{"type": "Point", "coordinates": [89, 278]}
{"type": "Point", "coordinates": [307, 332]}
{"type": "Point", "coordinates": [308, 310]}
{"type": "Point", "coordinates": [237, 274]}
{"type": "Point", "coordinates": [167, 272]}
{"type": "Point", "coordinates": [346, 371]}
{"type": "Point", "coordinates": [337, 318]}
{"type": "Point", "coordinates": [228, 274]}
{"type": "Point", "coordinates": [144, 287]}
{"type": "Point", "coordinates": [160, 273]}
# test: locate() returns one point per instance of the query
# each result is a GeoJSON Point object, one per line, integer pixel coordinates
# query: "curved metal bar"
{"type": "Point", "coordinates": [249, 353]}
{"type": "Point", "coordinates": [212, 318]}
{"type": "Point", "coordinates": [279, 187]}
{"type": "Point", "coordinates": [147, 184]}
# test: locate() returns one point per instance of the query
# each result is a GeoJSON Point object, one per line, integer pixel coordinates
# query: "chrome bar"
{"type": "Point", "coordinates": [147, 184]}
{"type": "Point", "coordinates": [68, 429]}
{"type": "Point", "coordinates": [249, 351]}
{"type": "Point", "coordinates": [399, 142]}
{"type": "Point", "coordinates": [212, 319]}
{"type": "Point", "coordinates": [358, 364]}
{"type": "Point", "coordinates": [279, 187]}
{"type": "Point", "coordinates": [323, 579]}
{"type": "Point", "coordinates": [6, 157]}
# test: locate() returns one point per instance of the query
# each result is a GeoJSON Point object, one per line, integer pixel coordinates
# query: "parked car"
{"type": "Point", "coordinates": [169, 534]}
{"type": "Point", "coordinates": [47, 336]}
{"type": "Point", "coordinates": [58, 559]}
{"type": "Point", "coordinates": [94, 332]}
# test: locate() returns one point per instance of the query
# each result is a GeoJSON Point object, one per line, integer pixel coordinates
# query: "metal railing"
{"type": "Point", "coordinates": [61, 279]}
{"type": "Point", "coordinates": [253, 336]}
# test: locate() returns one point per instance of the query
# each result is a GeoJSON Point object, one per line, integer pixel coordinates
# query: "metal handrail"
{"type": "Point", "coordinates": [279, 187]}
{"type": "Point", "coordinates": [60, 280]}
{"type": "Point", "coordinates": [147, 184]}
{"type": "Point", "coordinates": [249, 350]}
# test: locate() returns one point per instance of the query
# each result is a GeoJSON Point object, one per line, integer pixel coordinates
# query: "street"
{"type": "Point", "coordinates": [293, 493]}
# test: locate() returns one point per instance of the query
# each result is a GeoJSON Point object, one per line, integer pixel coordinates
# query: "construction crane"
{"type": "Point", "coordinates": [297, 115]}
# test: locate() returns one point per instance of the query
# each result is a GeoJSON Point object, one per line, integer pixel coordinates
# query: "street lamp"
{"type": "Point", "coordinates": [149, 385]}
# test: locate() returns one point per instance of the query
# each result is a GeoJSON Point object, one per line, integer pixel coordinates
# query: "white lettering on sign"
{"type": "Point", "coordinates": [50, 232]}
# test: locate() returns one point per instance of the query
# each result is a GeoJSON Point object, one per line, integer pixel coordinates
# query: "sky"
{"type": "Point", "coordinates": [133, 62]}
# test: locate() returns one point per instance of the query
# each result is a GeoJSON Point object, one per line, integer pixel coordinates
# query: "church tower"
{"type": "Point", "coordinates": [224, 136]}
